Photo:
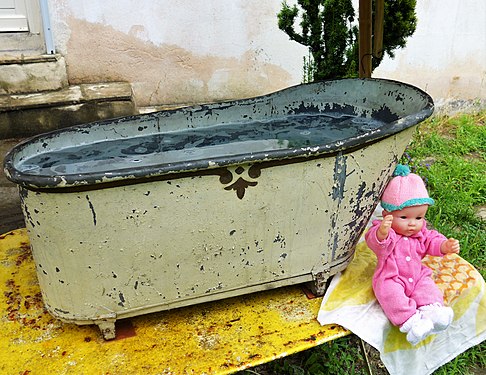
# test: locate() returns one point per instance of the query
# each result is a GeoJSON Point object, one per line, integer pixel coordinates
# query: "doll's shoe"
{"type": "Point", "coordinates": [407, 326]}
{"type": "Point", "coordinates": [417, 328]}
{"type": "Point", "coordinates": [440, 315]}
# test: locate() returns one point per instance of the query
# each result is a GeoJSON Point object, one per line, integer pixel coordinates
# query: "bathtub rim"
{"type": "Point", "coordinates": [216, 171]}
{"type": "Point", "coordinates": [167, 171]}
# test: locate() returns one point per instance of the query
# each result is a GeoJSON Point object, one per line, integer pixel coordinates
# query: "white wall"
{"type": "Point", "coordinates": [446, 56]}
{"type": "Point", "coordinates": [178, 51]}
{"type": "Point", "coordinates": [183, 51]}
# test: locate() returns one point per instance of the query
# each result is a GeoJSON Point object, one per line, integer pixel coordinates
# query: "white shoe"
{"type": "Point", "coordinates": [417, 328]}
{"type": "Point", "coordinates": [441, 316]}
{"type": "Point", "coordinates": [405, 327]}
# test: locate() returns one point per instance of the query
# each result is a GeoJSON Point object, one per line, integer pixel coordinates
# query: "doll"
{"type": "Point", "coordinates": [402, 284]}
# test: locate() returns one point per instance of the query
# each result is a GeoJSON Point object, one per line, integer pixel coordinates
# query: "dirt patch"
{"type": "Point", "coordinates": [376, 365]}
{"type": "Point", "coordinates": [481, 212]}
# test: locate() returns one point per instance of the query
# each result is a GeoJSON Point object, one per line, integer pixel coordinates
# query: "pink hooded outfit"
{"type": "Point", "coordinates": [401, 282]}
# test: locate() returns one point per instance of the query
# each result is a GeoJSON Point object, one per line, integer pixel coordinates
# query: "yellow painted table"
{"type": "Point", "coordinates": [212, 338]}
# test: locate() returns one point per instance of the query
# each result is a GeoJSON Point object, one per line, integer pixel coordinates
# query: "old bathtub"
{"type": "Point", "coordinates": [153, 212]}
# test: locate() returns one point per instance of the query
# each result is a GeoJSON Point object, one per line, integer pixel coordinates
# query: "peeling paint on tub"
{"type": "Point", "coordinates": [339, 176]}
{"type": "Point", "coordinates": [91, 207]}
{"type": "Point", "coordinates": [122, 299]}
{"type": "Point", "coordinates": [337, 193]}
{"type": "Point", "coordinates": [167, 234]}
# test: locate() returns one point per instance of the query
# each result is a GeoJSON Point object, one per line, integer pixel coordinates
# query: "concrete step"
{"type": "Point", "coordinates": [24, 115]}
{"type": "Point", "coordinates": [20, 74]}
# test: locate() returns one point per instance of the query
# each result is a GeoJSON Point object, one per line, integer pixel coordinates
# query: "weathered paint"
{"type": "Point", "coordinates": [339, 115]}
{"type": "Point", "coordinates": [267, 207]}
{"type": "Point", "coordinates": [220, 337]}
{"type": "Point", "coordinates": [182, 52]}
{"type": "Point", "coordinates": [195, 52]}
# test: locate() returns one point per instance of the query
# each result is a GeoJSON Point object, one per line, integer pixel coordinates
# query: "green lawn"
{"type": "Point", "coordinates": [450, 154]}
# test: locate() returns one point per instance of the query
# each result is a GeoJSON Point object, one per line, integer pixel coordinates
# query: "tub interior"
{"type": "Point", "coordinates": [220, 140]}
{"type": "Point", "coordinates": [302, 121]}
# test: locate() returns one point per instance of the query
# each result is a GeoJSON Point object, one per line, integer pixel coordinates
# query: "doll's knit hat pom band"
{"type": "Point", "coordinates": [401, 170]}
{"type": "Point", "coordinates": [405, 189]}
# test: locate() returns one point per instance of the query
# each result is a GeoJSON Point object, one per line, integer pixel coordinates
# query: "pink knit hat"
{"type": "Point", "coordinates": [405, 189]}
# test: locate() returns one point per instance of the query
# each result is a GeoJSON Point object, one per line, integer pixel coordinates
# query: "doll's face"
{"type": "Point", "coordinates": [408, 221]}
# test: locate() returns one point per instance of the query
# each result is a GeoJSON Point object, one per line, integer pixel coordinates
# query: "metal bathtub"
{"type": "Point", "coordinates": [158, 211]}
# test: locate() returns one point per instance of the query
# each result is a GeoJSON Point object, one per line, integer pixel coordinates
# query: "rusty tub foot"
{"type": "Point", "coordinates": [107, 328]}
{"type": "Point", "coordinates": [320, 283]}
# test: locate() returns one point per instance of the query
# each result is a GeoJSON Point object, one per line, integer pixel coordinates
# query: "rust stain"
{"type": "Point", "coordinates": [165, 74]}
{"type": "Point", "coordinates": [25, 309]}
{"type": "Point", "coordinates": [218, 337]}
{"type": "Point", "coordinates": [6, 234]}
{"type": "Point", "coordinates": [124, 329]}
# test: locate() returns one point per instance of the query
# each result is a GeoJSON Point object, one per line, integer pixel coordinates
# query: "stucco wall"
{"type": "Point", "coordinates": [446, 56]}
{"type": "Point", "coordinates": [184, 51]}
{"type": "Point", "coordinates": [177, 51]}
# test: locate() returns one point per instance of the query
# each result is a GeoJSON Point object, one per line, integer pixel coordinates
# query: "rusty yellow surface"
{"type": "Point", "coordinates": [213, 338]}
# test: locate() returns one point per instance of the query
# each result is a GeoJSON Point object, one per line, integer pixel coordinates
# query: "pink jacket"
{"type": "Point", "coordinates": [400, 257]}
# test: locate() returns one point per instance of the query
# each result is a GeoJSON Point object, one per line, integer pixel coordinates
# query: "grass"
{"type": "Point", "coordinates": [341, 356]}
{"type": "Point", "coordinates": [450, 155]}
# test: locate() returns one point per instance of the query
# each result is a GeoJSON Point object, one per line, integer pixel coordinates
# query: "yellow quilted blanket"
{"type": "Point", "coordinates": [350, 302]}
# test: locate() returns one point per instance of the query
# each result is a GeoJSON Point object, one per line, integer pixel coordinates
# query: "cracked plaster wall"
{"type": "Point", "coordinates": [178, 51]}
{"type": "Point", "coordinates": [186, 51]}
{"type": "Point", "coordinates": [446, 56]}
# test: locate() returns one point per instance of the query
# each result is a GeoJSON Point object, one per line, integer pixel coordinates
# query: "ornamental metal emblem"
{"type": "Point", "coordinates": [245, 177]}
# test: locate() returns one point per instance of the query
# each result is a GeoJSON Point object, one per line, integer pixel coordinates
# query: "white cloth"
{"type": "Point", "coordinates": [350, 302]}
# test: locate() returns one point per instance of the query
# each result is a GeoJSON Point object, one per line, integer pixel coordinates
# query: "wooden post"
{"type": "Point", "coordinates": [378, 28]}
{"type": "Point", "coordinates": [365, 52]}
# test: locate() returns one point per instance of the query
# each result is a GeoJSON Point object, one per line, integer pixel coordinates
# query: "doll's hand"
{"type": "Point", "coordinates": [450, 246]}
{"type": "Point", "coordinates": [384, 228]}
